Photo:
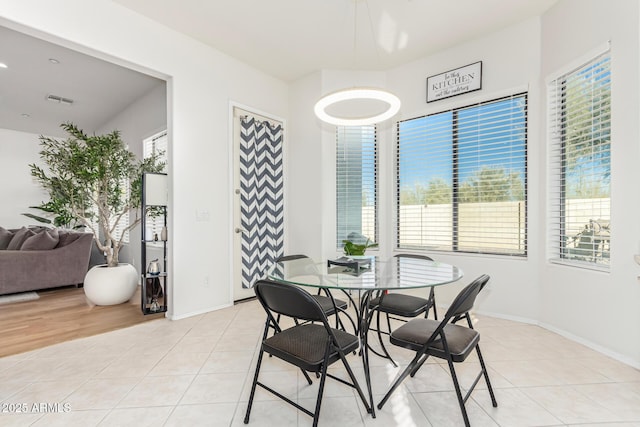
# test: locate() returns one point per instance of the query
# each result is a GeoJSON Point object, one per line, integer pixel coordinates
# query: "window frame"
{"type": "Point", "coordinates": [454, 227]}
{"type": "Point", "coordinates": [558, 245]}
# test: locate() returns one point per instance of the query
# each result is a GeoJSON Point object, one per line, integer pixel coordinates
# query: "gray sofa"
{"type": "Point", "coordinates": [41, 258]}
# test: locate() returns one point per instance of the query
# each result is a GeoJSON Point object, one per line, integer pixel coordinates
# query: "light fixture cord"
{"type": "Point", "coordinates": [373, 33]}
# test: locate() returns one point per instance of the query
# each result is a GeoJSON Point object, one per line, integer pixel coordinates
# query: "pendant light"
{"type": "Point", "coordinates": [357, 94]}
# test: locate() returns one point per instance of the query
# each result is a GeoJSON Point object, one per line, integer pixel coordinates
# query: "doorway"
{"type": "Point", "coordinates": [258, 196]}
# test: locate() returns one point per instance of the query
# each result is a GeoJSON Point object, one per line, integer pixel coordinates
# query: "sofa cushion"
{"type": "Point", "coordinates": [18, 238]}
{"type": "Point", "coordinates": [5, 237]}
{"type": "Point", "coordinates": [66, 237]}
{"type": "Point", "coordinates": [42, 241]}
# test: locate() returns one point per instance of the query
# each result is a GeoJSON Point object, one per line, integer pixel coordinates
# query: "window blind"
{"type": "Point", "coordinates": [461, 179]}
{"type": "Point", "coordinates": [356, 183]}
{"type": "Point", "coordinates": [580, 160]}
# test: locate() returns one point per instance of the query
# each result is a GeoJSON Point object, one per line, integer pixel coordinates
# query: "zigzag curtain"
{"type": "Point", "coordinates": [261, 197]}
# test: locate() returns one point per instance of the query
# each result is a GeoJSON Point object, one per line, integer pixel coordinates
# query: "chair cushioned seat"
{"type": "Point", "coordinates": [304, 345]}
{"type": "Point", "coordinates": [327, 305]}
{"type": "Point", "coordinates": [415, 333]}
{"type": "Point", "coordinates": [401, 304]}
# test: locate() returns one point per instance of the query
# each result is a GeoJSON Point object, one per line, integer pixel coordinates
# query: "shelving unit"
{"type": "Point", "coordinates": [153, 297]}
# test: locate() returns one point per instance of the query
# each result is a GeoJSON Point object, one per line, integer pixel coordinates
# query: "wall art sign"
{"type": "Point", "coordinates": [454, 82]}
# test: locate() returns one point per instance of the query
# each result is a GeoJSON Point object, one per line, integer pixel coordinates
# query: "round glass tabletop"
{"type": "Point", "coordinates": [365, 273]}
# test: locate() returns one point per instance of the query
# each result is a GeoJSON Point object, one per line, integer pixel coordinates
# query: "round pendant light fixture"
{"type": "Point", "coordinates": [357, 94]}
{"type": "Point", "coordinates": [359, 99]}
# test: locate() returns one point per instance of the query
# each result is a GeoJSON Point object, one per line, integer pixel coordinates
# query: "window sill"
{"type": "Point", "coordinates": [582, 265]}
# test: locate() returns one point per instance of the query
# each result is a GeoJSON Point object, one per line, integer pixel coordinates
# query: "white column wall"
{"type": "Point", "coordinates": [600, 309]}
{"type": "Point", "coordinates": [201, 84]}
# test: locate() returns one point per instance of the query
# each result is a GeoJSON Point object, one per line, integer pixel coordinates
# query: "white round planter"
{"type": "Point", "coordinates": [110, 285]}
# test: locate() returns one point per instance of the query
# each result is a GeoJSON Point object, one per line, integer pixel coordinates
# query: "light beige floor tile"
{"type": "Point", "coordinates": [157, 391]}
{"type": "Point", "coordinates": [18, 420]}
{"type": "Point", "coordinates": [46, 392]}
{"type": "Point", "coordinates": [514, 408]}
{"type": "Point", "coordinates": [73, 418]}
{"type": "Point", "coordinates": [209, 415]}
{"type": "Point", "coordinates": [177, 363]}
{"type": "Point", "coordinates": [137, 417]}
{"type": "Point", "coordinates": [228, 361]}
{"type": "Point", "coordinates": [214, 388]}
{"type": "Point", "coordinates": [623, 399]}
{"type": "Point", "coordinates": [570, 406]}
{"type": "Point", "coordinates": [130, 367]}
{"type": "Point", "coordinates": [101, 393]}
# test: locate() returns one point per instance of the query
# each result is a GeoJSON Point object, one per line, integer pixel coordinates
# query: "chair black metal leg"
{"type": "Point", "coordinates": [354, 382]}
{"type": "Point", "coordinates": [463, 409]}
{"type": "Point", "coordinates": [323, 378]}
{"type": "Point", "coordinates": [419, 365]}
{"type": "Point", "coordinates": [494, 402]}
{"type": "Point", "coordinates": [253, 387]}
{"type": "Point", "coordinates": [400, 378]}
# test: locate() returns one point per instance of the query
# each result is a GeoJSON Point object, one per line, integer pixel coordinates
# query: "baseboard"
{"type": "Point", "coordinates": [199, 312]}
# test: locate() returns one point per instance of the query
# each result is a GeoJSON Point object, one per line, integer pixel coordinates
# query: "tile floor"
{"type": "Point", "coordinates": [198, 371]}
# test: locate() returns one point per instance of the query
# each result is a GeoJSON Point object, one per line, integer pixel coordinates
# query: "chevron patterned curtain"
{"type": "Point", "coordinates": [261, 197]}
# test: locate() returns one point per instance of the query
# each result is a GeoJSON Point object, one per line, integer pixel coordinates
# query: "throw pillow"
{"type": "Point", "coordinates": [67, 237]}
{"type": "Point", "coordinates": [5, 237]}
{"type": "Point", "coordinates": [18, 239]}
{"type": "Point", "coordinates": [43, 241]}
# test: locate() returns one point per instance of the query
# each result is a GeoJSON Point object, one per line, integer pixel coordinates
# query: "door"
{"type": "Point", "coordinates": [258, 198]}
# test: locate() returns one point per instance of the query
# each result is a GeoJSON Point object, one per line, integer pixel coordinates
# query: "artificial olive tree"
{"type": "Point", "coordinates": [93, 180]}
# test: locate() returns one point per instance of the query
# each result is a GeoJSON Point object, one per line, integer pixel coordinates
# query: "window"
{"type": "Point", "coordinates": [152, 145]}
{"type": "Point", "coordinates": [356, 183]}
{"type": "Point", "coordinates": [462, 179]}
{"type": "Point", "coordinates": [580, 160]}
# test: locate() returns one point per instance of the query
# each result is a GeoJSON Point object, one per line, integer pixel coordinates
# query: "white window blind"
{"type": "Point", "coordinates": [580, 160]}
{"type": "Point", "coordinates": [156, 144]}
{"type": "Point", "coordinates": [356, 183]}
{"type": "Point", "coordinates": [462, 178]}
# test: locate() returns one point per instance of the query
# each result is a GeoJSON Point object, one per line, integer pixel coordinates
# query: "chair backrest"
{"type": "Point", "coordinates": [290, 257]}
{"type": "Point", "coordinates": [466, 298]}
{"type": "Point", "coordinates": [288, 300]}
{"type": "Point", "coordinates": [416, 256]}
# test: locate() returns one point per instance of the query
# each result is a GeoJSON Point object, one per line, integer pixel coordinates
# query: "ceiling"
{"type": "Point", "coordinates": [287, 39]}
{"type": "Point", "coordinates": [99, 89]}
{"type": "Point", "coordinates": [292, 38]}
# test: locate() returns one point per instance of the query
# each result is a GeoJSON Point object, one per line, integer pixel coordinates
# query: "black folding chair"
{"type": "Point", "coordinates": [405, 306]}
{"type": "Point", "coordinates": [444, 340]}
{"type": "Point", "coordinates": [312, 347]}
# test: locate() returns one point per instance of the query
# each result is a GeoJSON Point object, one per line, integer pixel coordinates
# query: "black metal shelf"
{"type": "Point", "coordinates": [153, 297]}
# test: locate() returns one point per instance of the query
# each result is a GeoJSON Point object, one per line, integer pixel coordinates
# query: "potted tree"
{"type": "Point", "coordinates": [97, 181]}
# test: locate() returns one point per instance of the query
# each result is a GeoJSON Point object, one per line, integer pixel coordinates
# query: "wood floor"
{"type": "Point", "coordinates": [61, 315]}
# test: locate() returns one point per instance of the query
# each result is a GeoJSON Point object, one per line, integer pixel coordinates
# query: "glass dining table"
{"type": "Point", "coordinates": [368, 277]}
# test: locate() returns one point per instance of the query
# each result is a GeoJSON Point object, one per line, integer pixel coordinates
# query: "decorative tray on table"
{"type": "Point", "coordinates": [351, 265]}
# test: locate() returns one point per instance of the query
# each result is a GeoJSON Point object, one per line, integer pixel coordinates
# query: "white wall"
{"type": "Point", "coordinates": [510, 64]}
{"type": "Point", "coordinates": [202, 83]}
{"type": "Point", "coordinates": [601, 309]}
{"type": "Point", "coordinates": [19, 189]}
